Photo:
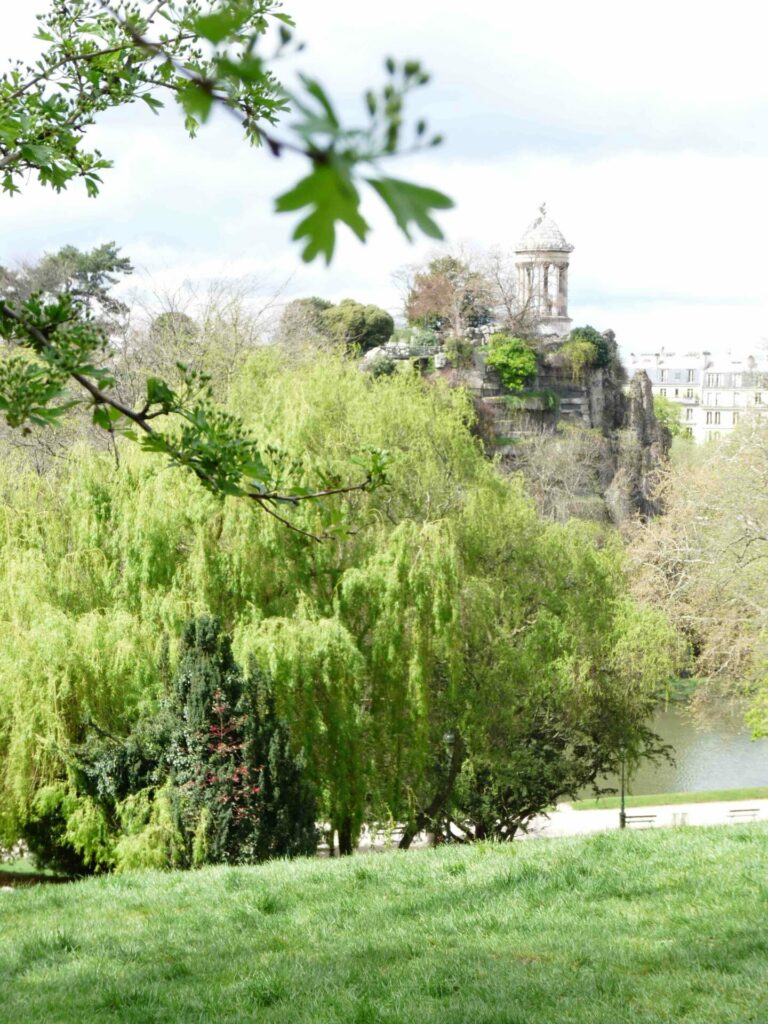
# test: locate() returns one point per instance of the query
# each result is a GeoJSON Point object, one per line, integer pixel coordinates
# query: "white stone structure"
{"type": "Point", "coordinates": [541, 258]}
{"type": "Point", "coordinates": [715, 395]}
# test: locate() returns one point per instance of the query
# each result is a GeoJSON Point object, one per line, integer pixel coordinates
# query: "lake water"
{"type": "Point", "coordinates": [716, 754]}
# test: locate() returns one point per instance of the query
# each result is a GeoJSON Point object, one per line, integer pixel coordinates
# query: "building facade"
{"type": "Point", "coordinates": [714, 395]}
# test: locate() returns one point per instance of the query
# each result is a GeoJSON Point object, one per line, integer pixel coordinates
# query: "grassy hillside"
{"type": "Point", "coordinates": [656, 926]}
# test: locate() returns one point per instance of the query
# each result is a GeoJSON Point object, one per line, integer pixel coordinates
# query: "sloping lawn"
{"type": "Point", "coordinates": [656, 926]}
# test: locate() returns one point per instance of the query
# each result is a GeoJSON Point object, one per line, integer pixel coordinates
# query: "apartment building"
{"type": "Point", "coordinates": [714, 394]}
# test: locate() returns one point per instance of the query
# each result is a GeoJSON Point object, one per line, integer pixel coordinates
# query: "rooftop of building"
{"type": "Point", "coordinates": [542, 234]}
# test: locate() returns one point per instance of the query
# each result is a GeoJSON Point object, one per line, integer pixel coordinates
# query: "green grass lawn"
{"type": "Point", "coordinates": [657, 926]}
{"type": "Point", "coordinates": [658, 799]}
{"type": "Point", "coordinates": [23, 866]}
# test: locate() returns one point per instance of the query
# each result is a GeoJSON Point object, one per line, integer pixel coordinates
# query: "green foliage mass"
{"type": "Point", "coordinates": [586, 348]}
{"type": "Point", "coordinates": [352, 325]}
{"type": "Point", "coordinates": [451, 611]}
{"type": "Point", "coordinates": [590, 335]}
{"type": "Point", "coordinates": [357, 326]}
{"type": "Point", "coordinates": [514, 360]}
{"type": "Point", "coordinates": [668, 413]}
{"type": "Point", "coordinates": [459, 352]}
{"type": "Point", "coordinates": [580, 356]}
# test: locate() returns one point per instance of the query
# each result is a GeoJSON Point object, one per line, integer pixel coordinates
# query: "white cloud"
{"type": "Point", "coordinates": [642, 127]}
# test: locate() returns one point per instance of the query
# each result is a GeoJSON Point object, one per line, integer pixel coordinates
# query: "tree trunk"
{"type": "Point", "coordinates": [411, 831]}
{"type": "Point", "coordinates": [345, 837]}
{"type": "Point", "coordinates": [427, 816]}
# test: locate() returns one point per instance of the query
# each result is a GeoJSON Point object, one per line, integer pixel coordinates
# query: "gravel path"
{"type": "Point", "coordinates": [565, 821]}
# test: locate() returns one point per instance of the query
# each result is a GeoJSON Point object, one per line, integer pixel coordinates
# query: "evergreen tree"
{"type": "Point", "coordinates": [239, 793]}
{"type": "Point", "coordinates": [215, 805]}
{"type": "Point", "coordinates": [287, 807]}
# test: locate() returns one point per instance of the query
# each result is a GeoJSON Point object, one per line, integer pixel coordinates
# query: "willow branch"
{"type": "Point", "coordinates": [140, 419]}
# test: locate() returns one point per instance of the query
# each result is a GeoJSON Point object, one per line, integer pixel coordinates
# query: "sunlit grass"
{"type": "Point", "coordinates": [22, 866]}
{"type": "Point", "coordinates": [659, 799]}
{"type": "Point", "coordinates": [652, 927]}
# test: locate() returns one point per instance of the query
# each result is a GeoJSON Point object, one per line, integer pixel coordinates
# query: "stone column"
{"type": "Point", "coordinates": [562, 290]}
{"type": "Point", "coordinates": [543, 288]}
{"type": "Point", "coordinates": [522, 290]}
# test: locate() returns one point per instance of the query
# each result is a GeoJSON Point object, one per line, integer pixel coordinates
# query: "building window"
{"type": "Point", "coordinates": [663, 376]}
{"type": "Point", "coordinates": [677, 392]}
{"type": "Point", "coordinates": [663, 392]}
{"type": "Point", "coordinates": [713, 435]}
{"type": "Point", "coordinates": [717, 398]}
{"type": "Point", "coordinates": [758, 398]}
{"type": "Point", "coordinates": [735, 418]}
{"type": "Point", "coordinates": [689, 392]}
{"type": "Point", "coordinates": [678, 375]}
{"type": "Point", "coordinates": [689, 431]}
{"type": "Point", "coordinates": [717, 417]}
{"type": "Point", "coordinates": [691, 376]}
{"type": "Point", "coordinates": [737, 380]}
{"type": "Point", "coordinates": [689, 414]}
{"type": "Point", "coordinates": [709, 417]}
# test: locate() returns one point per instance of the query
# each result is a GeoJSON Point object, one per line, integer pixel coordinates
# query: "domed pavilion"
{"type": "Point", "coordinates": [542, 257]}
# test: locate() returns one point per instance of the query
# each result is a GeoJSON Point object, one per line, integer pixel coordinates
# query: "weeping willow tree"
{"type": "Point", "coordinates": [444, 629]}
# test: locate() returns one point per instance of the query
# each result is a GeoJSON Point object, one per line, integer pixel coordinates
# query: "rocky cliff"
{"type": "Point", "coordinates": [591, 448]}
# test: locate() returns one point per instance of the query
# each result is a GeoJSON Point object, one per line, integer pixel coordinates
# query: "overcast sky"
{"type": "Point", "coordinates": [643, 127]}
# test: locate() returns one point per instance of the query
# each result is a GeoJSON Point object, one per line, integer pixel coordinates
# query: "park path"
{"type": "Point", "coordinates": [565, 821]}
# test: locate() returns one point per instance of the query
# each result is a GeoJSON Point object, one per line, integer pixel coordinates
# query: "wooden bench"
{"type": "Point", "coordinates": [640, 819]}
{"type": "Point", "coordinates": [743, 813]}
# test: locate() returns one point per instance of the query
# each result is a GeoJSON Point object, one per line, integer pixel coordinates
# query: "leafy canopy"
{"type": "Point", "coordinates": [451, 611]}
{"type": "Point", "coordinates": [357, 326]}
{"type": "Point", "coordinates": [449, 296]}
{"type": "Point", "coordinates": [603, 352]}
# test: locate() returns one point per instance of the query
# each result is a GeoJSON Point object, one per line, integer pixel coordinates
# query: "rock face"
{"type": "Point", "coordinates": [626, 449]}
{"type": "Point", "coordinates": [642, 446]}
{"type": "Point", "coordinates": [590, 448]}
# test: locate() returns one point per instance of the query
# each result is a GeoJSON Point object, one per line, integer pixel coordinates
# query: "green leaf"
{"type": "Point", "coordinates": [159, 393]}
{"type": "Point", "coordinates": [196, 101]}
{"type": "Point", "coordinates": [315, 89]}
{"type": "Point", "coordinates": [37, 154]}
{"type": "Point", "coordinates": [411, 204]}
{"type": "Point", "coordinates": [218, 27]}
{"type": "Point", "coordinates": [101, 417]}
{"type": "Point", "coordinates": [330, 190]}
{"type": "Point", "coordinates": [154, 104]}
